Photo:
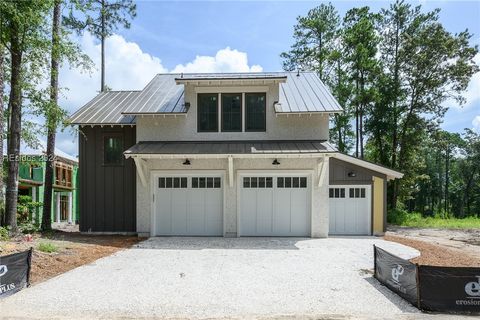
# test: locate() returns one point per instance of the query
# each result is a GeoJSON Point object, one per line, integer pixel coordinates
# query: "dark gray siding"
{"type": "Point", "coordinates": [107, 193]}
{"type": "Point", "coordinates": [339, 173]}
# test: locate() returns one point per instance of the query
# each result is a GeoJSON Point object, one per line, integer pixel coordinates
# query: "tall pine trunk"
{"type": "Point", "coordinates": [102, 40]}
{"type": "Point", "coordinates": [2, 110]}
{"type": "Point", "coordinates": [15, 107]}
{"type": "Point", "coordinates": [52, 119]}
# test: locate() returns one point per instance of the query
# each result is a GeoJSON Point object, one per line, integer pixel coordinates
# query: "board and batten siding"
{"type": "Point", "coordinates": [107, 193]}
{"type": "Point", "coordinates": [339, 171]}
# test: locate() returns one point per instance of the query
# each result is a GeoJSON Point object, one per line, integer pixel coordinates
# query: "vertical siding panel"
{"type": "Point", "coordinates": [107, 193]}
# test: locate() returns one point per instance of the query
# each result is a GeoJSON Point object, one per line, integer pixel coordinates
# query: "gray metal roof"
{"type": "Point", "coordinates": [302, 92]}
{"type": "Point", "coordinates": [231, 76]}
{"type": "Point", "coordinates": [161, 95]}
{"type": "Point", "coordinates": [106, 108]}
{"type": "Point", "coordinates": [305, 92]}
{"type": "Point", "coordinates": [230, 147]}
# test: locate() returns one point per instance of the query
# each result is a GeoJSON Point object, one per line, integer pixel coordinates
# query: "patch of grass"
{"type": "Point", "coordinates": [415, 219]}
{"type": "Point", "coordinates": [4, 234]}
{"type": "Point", "coordinates": [47, 247]}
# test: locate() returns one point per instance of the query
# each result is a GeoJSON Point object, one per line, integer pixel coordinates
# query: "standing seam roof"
{"type": "Point", "coordinates": [302, 92]}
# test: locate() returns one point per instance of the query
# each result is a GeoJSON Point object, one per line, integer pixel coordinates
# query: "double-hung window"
{"type": "Point", "coordinates": [207, 112]}
{"type": "Point", "coordinates": [255, 107]}
{"type": "Point", "coordinates": [232, 112]}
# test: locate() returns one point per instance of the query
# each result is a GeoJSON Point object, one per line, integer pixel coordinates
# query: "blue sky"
{"type": "Point", "coordinates": [166, 34]}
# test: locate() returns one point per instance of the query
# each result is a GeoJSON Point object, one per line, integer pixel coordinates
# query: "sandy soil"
{"type": "Point", "coordinates": [440, 247]}
{"type": "Point", "coordinates": [74, 250]}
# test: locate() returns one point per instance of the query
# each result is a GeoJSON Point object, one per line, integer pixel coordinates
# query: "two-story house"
{"type": "Point", "coordinates": [32, 183]}
{"type": "Point", "coordinates": [227, 154]}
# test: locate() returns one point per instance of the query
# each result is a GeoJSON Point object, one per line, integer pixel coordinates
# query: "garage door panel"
{"type": "Point", "coordinates": [164, 222]}
{"type": "Point", "coordinates": [189, 206]}
{"type": "Point", "coordinates": [282, 209]}
{"type": "Point", "coordinates": [179, 211]}
{"type": "Point", "coordinates": [274, 205]}
{"type": "Point", "coordinates": [264, 210]}
{"type": "Point", "coordinates": [350, 210]}
{"type": "Point", "coordinates": [300, 209]}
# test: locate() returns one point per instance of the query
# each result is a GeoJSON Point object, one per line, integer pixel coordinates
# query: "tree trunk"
{"type": "Point", "coordinates": [15, 107]}
{"type": "Point", "coordinates": [447, 176]}
{"type": "Point", "coordinates": [52, 119]}
{"type": "Point", "coordinates": [102, 40]}
{"type": "Point", "coordinates": [2, 201]}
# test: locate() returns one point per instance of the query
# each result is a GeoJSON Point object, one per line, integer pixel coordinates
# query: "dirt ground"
{"type": "Point", "coordinates": [440, 247]}
{"type": "Point", "coordinates": [74, 250]}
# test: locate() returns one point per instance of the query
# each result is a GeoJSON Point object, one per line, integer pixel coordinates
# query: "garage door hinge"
{"type": "Point", "coordinates": [153, 197]}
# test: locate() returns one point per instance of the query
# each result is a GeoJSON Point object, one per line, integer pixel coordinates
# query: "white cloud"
{"type": "Point", "coordinates": [128, 67]}
{"type": "Point", "coordinates": [476, 123]}
{"type": "Point", "coordinates": [225, 60]}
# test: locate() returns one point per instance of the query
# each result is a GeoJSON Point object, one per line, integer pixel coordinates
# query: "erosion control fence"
{"type": "Point", "coordinates": [15, 272]}
{"type": "Point", "coordinates": [431, 288]}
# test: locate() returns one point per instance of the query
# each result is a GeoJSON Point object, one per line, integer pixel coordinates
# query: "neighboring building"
{"type": "Point", "coordinates": [232, 154]}
{"type": "Point", "coordinates": [32, 183]}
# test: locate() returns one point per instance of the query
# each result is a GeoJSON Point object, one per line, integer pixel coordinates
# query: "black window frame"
{"type": "Point", "coordinates": [222, 113]}
{"type": "Point", "coordinates": [199, 129]}
{"type": "Point", "coordinates": [104, 150]}
{"type": "Point", "coordinates": [247, 113]}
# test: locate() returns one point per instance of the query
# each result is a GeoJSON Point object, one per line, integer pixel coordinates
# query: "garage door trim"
{"type": "Point", "coordinates": [155, 174]}
{"type": "Point", "coordinates": [274, 173]}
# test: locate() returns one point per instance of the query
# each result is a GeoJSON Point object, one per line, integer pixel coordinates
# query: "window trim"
{"type": "Point", "coordinates": [221, 111]}
{"type": "Point", "coordinates": [217, 110]}
{"type": "Point", "coordinates": [122, 158]}
{"type": "Point", "coordinates": [246, 113]}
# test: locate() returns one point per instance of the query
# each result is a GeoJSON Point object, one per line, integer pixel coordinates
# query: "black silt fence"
{"type": "Point", "coordinates": [15, 272]}
{"type": "Point", "coordinates": [431, 288]}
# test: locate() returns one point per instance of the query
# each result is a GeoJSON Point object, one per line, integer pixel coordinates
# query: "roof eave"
{"type": "Point", "coordinates": [389, 173]}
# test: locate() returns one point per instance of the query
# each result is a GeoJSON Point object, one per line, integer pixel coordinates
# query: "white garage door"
{"type": "Point", "coordinates": [274, 205]}
{"type": "Point", "coordinates": [188, 205]}
{"type": "Point", "coordinates": [350, 212]}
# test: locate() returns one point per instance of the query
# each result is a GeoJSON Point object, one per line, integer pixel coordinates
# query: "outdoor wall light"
{"type": "Point", "coordinates": [187, 104]}
{"type": "Point", "coordinates": [275, 162]}
{"type": "Point", "coordinates": [186, 162]}
{"type": "Point", "coordinates": [352, 174]}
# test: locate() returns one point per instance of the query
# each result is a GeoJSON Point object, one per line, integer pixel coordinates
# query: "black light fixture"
{"type": "Point", "coordinates": [275, 162]}
{"type": "Point", "coordinates": [352, 174]}
{"type": "Point", "coordinates": [186, 162]}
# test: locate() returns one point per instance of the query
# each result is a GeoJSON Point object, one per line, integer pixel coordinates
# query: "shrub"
{"type": "Point", "coordinates": [47, 247]}
{"type": "Point", "coordinates": [28, 227]}
{"type": "Point", "coordinates": [439, 220]}
{"type": "Point", "coordinates": [4, 234]}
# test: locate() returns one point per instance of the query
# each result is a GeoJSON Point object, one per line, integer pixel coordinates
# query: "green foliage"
{"type": "Point", "coordinates": [28, 227]}
{"type": "Point", "coordinates": [4, 234]}
{"type": "Point", "coordinates": [47, 247]}
{"type": "Point", "coordinates": [415, 219]}
{"type": "Point", "coordinates": [25, 208]}
{"type": "Point", "coordinates": [392, 72]}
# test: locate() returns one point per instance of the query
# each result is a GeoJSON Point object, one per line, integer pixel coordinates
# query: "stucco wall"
{"type": "Point", "coordinates": [378, 206]}
{"type": "Point", "coordinates": [320, 211]}
{"type": "Point", "coordinates": [293, 127]}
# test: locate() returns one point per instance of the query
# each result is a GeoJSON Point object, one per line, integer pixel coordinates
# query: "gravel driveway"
{"type": "Point", "coordinates": [221, 278]}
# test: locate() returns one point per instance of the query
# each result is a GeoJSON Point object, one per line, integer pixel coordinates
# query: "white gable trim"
{"type": "Point", "coordinates": [390, 173]}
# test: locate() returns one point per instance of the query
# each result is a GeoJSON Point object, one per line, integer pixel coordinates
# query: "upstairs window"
{"type": "Point", "coordinates": [113, 150]}
{"type": "Point", "coordinates": [207, 112]}
{"type": "Point", "coordinates": [63, 174]}
{"type": "Point", "coordinates": [232, 112]}
{"type": "Point", "coordinates": [255, 107]}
